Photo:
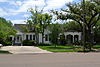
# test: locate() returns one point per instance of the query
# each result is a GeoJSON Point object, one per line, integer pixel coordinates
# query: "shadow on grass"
{"type": "Point", "coordinates": [4, 52]}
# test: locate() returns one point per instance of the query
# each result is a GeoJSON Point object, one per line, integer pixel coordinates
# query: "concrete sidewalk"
{"type": "Point", "coordinates": [24, 49]}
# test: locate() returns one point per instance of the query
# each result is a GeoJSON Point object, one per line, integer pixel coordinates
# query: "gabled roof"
{"type": "Point", "coordinates": [23, 27]}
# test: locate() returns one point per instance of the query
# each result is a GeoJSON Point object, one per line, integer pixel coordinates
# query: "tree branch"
{"type": "Point", "coordinates": [93, 16]}
{"type": "Point", "coordinates": [93, 24]}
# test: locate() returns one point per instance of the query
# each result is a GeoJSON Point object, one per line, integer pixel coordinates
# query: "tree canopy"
{"type": "Point", "coordinates": [39, 21]}
{"type": "Point", "coordinates": [86, 14]}
{"type": "Point", "coordinates": [6, 29]}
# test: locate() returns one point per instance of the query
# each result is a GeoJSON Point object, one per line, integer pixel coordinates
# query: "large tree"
{"type": "Point", "coordinates": [97, 33]}
{"type": "Point", "coordinates": [72, 25]}
{"type": "Point", "coordinates": [87, 13]}
{"type": "Point", "coordinates": [39, 21]}
{"type": "Point", "coordinates": [44, 21]}
{"type": "Point", "coordinates": [55, 30]}
{"type": "Point", "coordinates": [6, 29]}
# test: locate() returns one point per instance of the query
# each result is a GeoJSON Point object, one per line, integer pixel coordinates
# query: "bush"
{"type": "Point", "coordinates": [78, 43]}
{"type": "Point", "coordinates": [88, 45]}
{"type": "Point", "coordinates": [41, 44]}
{"type": "Point", "coordinates": [28, 43]}
{"type": "Point", "coordinates": [7, 43]}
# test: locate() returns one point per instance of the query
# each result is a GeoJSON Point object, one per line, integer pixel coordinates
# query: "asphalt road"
{"type": "Point", "coordinates": [51, 60]}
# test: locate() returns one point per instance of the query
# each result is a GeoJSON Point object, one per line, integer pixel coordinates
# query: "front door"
{"type": "Point", "coordinates": [18, 39]}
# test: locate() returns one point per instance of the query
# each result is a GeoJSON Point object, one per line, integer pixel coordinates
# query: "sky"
{"type": "Point", "coordinates": [17, 10]}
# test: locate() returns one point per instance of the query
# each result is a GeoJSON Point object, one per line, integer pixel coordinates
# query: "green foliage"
{"type": "Point", "coordinates": [84, 13]}
{"type": "Point", "coordinates": [97, 32]}
{"type": "Point", "coordinates": [88, 45]}
{"type": "Point", "coordinates": [72, 25]}
{"type": "Point", "coordinates": [7, 43]}
{"type": "Point", "coordinates": [6, 29]}
{"type": "Point", "coordinates": [42, 44]}
{"type": "Point", "coordinates": [58, 48]}
{"type": "Point", "coordinates": [39, 22]}
{"type": "Point", "coordinates": [25, 29]}
{"type": "Point", "coordinates": [78, 43]}
{"type": "Point", "coordinates": [4, 52]}
{"type": "Point", "coordinates": [28, 43]}
{"type": "Point", "coordinates": [96, 46]}
{"type": "Point", "coordinates": [62, 40]}
{"type": "Point", "coordinates": [55, 30]}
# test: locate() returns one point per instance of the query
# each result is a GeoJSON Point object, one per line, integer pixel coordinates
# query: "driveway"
{"type": "Point", "coordinates": [50, 60]}
{"type": "Point", "coordinates": [24, 49]}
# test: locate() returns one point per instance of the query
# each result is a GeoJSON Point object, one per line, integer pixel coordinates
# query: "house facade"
{"type": "Point", "coordinates": [70, 36]}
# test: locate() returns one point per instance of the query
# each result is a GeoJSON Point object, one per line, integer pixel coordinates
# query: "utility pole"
{"type": "Point", "coordinates": [84, 42]}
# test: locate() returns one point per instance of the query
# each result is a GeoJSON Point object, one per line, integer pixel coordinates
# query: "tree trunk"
{"type": "Point", "coordinates": [90, 38]}
{"type": "Point", "coordinates": [37, 37]}
{"type": "Point", "coordinates": [43, 36]}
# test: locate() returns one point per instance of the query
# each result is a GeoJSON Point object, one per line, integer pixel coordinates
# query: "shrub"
{"type": "Point", "coordinates": [76, 43]}
{"type": "Point", "coordinates": [28, 43]}
{"type": "Point", "coordinates": [7, 43]}
{"type": "Point", "coordinates": [88, 45]}
{"type": "Point", "coordinates": [41, 44]}
{"type": "Point", "coordinates": [79, 43]}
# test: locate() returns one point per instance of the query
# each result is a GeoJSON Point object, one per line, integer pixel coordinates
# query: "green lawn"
{"type": "Point", "coordinates": [4, 52]}
{"type": "Point", "coordinates": [60, 48]}
{"type": "Point", "coordinates": [65, 48]}
{"type": "Point", "coordinates": [97, 46]}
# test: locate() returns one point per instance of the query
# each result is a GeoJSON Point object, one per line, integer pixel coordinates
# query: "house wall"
{"type": "Point", "coordinates": [46, 32]}
{"type": "Point", "coordinates": [73, 33]}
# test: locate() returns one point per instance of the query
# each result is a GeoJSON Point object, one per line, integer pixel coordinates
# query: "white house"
{"type": "Point", "coordinates": [71, 36]}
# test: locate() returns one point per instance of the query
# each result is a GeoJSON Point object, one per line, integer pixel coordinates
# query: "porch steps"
{"type": "Point", "coordinates": [24, 49]}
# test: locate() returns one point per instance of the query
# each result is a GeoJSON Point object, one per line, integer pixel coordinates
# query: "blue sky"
{"type": "Point", "coordinates": [16, 10]}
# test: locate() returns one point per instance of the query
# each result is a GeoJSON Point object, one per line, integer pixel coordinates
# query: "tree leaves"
{"type": "Point", "coordinates": [6, 29]}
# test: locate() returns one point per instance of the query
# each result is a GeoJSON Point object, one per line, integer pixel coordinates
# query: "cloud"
{"type": "Point", "coordinates": [18, 21]}
{"type": "Point", "coordinates": [16, 3]}
{"type": "Point", "coordinates": [51, 4]}
{"type": "Point", "coordinates": [3, 0]}
{"type": "Point", "coordinates": [23, 6]}
{"type": "Point", "coordinates": [55, 4]}
{"type": "Point", "coordinates": [2, 12]}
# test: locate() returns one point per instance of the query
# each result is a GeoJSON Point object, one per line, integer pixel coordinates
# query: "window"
{"type": "Point", "coordinates": [30, 37]}
{"type": "Point", "coordinates": [17, 38]}
{"type": "Point", "coordinates": [76, 37]}
{"type": "Point", "coordinates": [10, 38]}
{"type": "Point", "coordinates": [33, 37]}
{"type": "Point", "coordinates": [46, 38]}
{"type": "Point", "coordinates": [26, 37]}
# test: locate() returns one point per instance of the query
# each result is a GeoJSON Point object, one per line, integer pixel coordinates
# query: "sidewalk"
{"type": "Point", "coordinates": [24, 49]}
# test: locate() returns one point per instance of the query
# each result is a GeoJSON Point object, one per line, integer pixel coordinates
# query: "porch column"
{"type": "Point", "coordinates": [21, 39]}
{"type": "Point", "coordinates": [73, 38]}
{"type": "Point", "coordinates": [12, 40]}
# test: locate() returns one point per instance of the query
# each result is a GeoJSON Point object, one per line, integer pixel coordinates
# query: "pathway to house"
{"type": "Point", "coordinates": [24, 49]}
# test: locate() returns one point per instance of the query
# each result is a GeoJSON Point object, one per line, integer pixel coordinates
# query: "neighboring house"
{"type": "Point", "coordinates": [71, 36]}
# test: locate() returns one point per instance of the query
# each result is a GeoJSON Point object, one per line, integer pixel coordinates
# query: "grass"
{"type": "Point", "coordinates": [97, 47]}
{"type": "Point", "coordinates": [57, 47]}
{"type": "Point", "coordinates": [63, 50]}
{"type": "Point", "coordinates": [4, 52]}
{"type": "Point", "coordinates": [66, 48]}
{"type": "Point", "coordinates": [60, 48]}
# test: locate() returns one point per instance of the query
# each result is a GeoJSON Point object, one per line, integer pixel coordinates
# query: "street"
{"type": "Point", "coordinates": [50, 60]}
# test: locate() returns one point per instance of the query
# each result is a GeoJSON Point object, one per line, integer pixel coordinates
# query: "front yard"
{"type": "Point", "coordinates": [60, 48]}
{"type": "Point", "coordinates": [66, 48]}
